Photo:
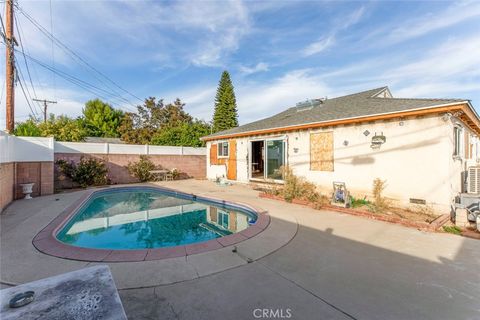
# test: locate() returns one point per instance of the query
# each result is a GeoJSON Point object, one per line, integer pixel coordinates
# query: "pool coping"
{"type": "Point", "coordinates": [46, 241]}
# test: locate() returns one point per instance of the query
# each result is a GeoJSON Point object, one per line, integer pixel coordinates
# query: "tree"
{"type": "Point", "coordinates": [63, 128]}
{"type": "Point", "coordinates": [101, 120]}
{"type": "Point", "coordinates": [28, 128]}
{"type": "Point", "coordinates": [184, 134]}
{"type": "Point", "coordinates": [225, 115]}
{"type": "Point", "coordinates": [151, 117]}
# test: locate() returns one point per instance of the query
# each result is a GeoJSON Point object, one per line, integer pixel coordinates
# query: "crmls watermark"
{"type": "Point", "coordinates": [272, 313]}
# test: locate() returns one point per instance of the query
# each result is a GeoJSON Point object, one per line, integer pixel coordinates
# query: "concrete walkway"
{"type": "Point", "coordinates": [336, 267]}
{"type": "Point", "coordinates": [25, 218]}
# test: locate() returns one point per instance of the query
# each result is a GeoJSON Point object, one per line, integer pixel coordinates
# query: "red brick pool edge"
{"type": "Point", "coordinates": [46, 241]}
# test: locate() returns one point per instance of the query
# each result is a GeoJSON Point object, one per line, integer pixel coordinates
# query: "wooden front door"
{"type": "Point", "coordinates": [232, 160]}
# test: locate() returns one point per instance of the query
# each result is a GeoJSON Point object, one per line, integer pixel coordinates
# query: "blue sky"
{"type": "Point", "coordinates": [278, 53]}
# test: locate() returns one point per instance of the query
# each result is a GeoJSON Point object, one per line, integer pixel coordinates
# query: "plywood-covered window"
{"type": "Point", "coordinates": [321, 151]}
{"type": "Point", "coordinates": [468, 146]}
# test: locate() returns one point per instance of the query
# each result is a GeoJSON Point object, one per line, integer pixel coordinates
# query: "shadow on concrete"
{"type": "Point", "coordinates": [323, 275]}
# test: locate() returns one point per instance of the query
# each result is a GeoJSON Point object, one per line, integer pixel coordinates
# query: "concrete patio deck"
{"type": "Point", "coordinates": [316, 264]}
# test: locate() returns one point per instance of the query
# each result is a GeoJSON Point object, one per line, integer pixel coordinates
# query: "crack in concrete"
{"type": "Point", "coordinates": [309, 291]}
{"type": "Point", "coordinates": [176, 315]}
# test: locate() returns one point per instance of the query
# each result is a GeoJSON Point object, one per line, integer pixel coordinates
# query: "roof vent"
{"type": "Point", "coordinates": [308, 104]}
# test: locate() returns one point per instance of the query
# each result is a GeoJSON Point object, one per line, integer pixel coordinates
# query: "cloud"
{"type": "Point", "coordinates": [226, 22]}
{"type": "Point", "coordinates": [68, 102]}
{"type": "Point", "coordinates": [259, 67]}
{"type": "Point", "coordinates": [210, 30]}
{"type": "Point", "coordinates": [319, 46]}
{"type": "Point", "coordinates": [326, 42]}
{"type": "Point", "coordinates": [413, 28]}
{"type": "Point", "coordinates": [257, 100]}
{"type": "Point", "coordinates": [352, 19]}
{"type": "Point", "coordinates": [445, 71]}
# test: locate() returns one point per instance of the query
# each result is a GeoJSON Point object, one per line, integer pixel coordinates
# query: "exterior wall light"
{"type": "Point", "coordinates": [378, 140]}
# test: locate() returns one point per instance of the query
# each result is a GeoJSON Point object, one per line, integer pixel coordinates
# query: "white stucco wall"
{"type": "Point", "coordinates": [460, 164]}
{"type": "Point", "coordinates": [416, 159]}
{"type": "Point", "coordinates": [214, 171]}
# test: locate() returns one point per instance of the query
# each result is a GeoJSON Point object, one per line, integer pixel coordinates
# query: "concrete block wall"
{"type": "Point", "coordinates": [40, 173]}
{"type": "Point", "coordinates": [7, 181]}
{"type": "Point", "coordinates": [193, 166]}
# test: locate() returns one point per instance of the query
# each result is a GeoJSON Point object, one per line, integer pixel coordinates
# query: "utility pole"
{"type": "Point", "coordinates": [10, 59]}
{"type": "Point", "coordinates": [45, 104]}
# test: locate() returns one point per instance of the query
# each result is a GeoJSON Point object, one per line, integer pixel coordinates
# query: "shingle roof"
{"type": "Point", "coordinates": [345, 107]}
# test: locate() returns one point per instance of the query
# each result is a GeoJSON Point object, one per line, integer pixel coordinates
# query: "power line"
{"type": "Point", "coordinates": [25, 49]}
{"type": "Point", "coordinates": [21, 78]}
{"type": "Point", "coordinates": [25, 60]}
{"type": "Point", "coordinates": [45, 105]}
{"type": "Point", "coordinates": [26, 98]}
{"type": "Point", "coordinates": [53, 51]}
{"type": "Point", "coordinates": [83, 84]}
{"type": "Point", "coordinates": [77, 56]}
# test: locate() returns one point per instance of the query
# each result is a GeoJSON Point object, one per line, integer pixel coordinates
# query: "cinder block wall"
{"type": "Point", "coordinates": [40, 173]}
{"type": "Point", "coordinates": [193, 166]}
{"type": "Point", "coordinates": [7, 180]}
{"type": "Point", "coordinates": [13, 174]}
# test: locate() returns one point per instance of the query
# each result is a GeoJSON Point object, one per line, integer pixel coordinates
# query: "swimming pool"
{"type": "Point", "coordinates": [148, 218]}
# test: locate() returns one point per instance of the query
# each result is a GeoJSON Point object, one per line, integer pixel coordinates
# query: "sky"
{"type": "Point", "coordinates": [278, 53]}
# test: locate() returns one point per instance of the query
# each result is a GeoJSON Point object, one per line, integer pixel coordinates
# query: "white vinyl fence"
{"type": "Point", "coordinates": [25, 149]}
{"type": "Point", "coordinates": [111, 148]}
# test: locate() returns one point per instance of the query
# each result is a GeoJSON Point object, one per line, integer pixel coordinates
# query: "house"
{"type": "Point", "coordinates": [421, 147]}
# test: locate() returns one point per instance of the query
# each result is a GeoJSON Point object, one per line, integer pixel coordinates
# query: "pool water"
{"type": "Point", "coordinates": [141, 219]}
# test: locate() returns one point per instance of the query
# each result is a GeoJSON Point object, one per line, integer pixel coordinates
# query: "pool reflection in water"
{"type": "Point", "coordinates": [149, 219]}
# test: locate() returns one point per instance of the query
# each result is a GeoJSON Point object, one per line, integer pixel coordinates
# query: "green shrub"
{"type": "Point", "coordinates": [88, 172]}
{"type": "Point", "coordinates": [452, 229]}
{"type": "Point", "coordinates": [141, 169]}
{"type": "Point", "coordinates": [360, 202]}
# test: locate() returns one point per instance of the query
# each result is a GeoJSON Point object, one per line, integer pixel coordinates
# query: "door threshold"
{"type": "Point", "coordinates": [266, 181]}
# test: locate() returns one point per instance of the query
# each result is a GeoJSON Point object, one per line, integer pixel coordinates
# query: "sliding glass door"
{"type": "Point", "coordinates": [275, 159]}
{"type": "Point", "coordinates": [267, 159]}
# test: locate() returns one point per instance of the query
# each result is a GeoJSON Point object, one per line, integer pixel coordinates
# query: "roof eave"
{"type": "Point", "coordinates": [433, 109]}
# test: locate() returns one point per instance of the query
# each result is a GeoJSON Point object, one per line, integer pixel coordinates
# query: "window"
{"type": "Point", "coordinates": [457, 139]}
{"type": "Point", "coordinates": [223, 219]}
{"type": "Point", "coordinates": [223, 149]}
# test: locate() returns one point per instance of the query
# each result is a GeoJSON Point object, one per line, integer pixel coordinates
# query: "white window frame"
{"type": "Point", "coordinates": [220, 215]}
{"type": "Point", "coordinates": [458, 142]}
{"type": "Point", "coordinates": [220, 148]}
{"type": "Point", "coordinates": [266, 139]}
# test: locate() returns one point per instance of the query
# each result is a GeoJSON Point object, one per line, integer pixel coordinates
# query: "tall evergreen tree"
{"type": "Point", "coordinates": [225, 115]}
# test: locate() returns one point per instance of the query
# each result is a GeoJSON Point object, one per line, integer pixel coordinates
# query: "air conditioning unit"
{"type": "Point", "coordinates": [473, 180]}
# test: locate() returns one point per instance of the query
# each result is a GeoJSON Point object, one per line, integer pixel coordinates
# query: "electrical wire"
{"type": "Point", "coordinates": [26, 98]}
{"type": "Point", "coordinates": [25, 49]}
{"type": "Point", "coordinates": [75, 56]}
{"type": "Point", "coordinates": [53, 52]}
{"type": "Point", "coordinates": [83, 84]}
{"type": "Point", "coordinates": [106, 95]}
{"type": "Point", "coordinates": [26, 64]}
